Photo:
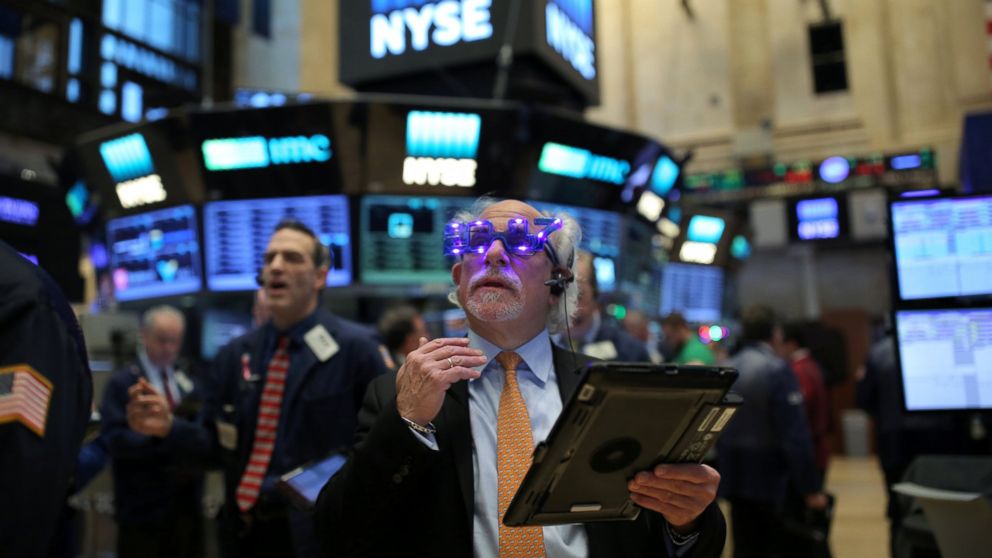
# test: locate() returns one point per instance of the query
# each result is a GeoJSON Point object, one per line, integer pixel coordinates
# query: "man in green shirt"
{"type": "Point", "coordinates": [683, 343]}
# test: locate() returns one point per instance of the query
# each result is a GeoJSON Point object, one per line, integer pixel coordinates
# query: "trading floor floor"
{"type": "Point", "coordinates": [859, 528]}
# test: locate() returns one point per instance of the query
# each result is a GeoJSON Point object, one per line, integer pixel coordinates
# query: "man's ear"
{"type": "Point", "coordinates": [456, 273]}
{"type": "Point", "coordinates": [321, 278]}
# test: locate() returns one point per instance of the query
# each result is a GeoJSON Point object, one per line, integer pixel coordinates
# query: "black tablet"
{"type": "Point", "coordinates": [303, 484]}
{"type": "Point", "coordinates": [622, 419]}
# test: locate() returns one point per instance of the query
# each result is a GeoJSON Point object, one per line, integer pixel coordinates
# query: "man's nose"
{"type": "Point", "coordinates": [496, 254]}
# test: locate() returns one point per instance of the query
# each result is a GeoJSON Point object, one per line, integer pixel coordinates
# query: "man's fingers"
{"type": "Point", "coordinates": [457, 374]}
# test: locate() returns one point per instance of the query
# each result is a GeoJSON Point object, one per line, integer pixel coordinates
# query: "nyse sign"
{"type": "Point", "coordinates": [441, 148]}
{"type": "Point", "coordinates": [571, 41]}
{"type": "Point", "coordinates": [442, 24]}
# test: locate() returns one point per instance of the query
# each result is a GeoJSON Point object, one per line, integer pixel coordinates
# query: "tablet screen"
{"type": "Point", "coordinates": [308, 481]}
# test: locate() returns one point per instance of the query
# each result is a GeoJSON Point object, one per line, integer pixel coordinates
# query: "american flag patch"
{"type": "Point", "coordinates": [24, 397]}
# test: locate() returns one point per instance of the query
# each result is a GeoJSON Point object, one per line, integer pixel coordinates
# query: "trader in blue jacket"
{"type": "Point", "coordinates": [280, 397]}
{"type": "Point", "coordinates": [157, 478]}
{"type": "Point", "coordinates": [768, 444]}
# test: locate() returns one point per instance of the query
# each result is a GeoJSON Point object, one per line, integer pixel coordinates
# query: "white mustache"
{"type": "Point", "coordinates": [511, 280]}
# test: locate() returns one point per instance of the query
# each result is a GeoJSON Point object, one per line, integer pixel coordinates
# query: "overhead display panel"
{"type": "Point", "coordinates": [383, 38]}
{"type": "Point", "coordinates": [440, 150]}
{"type": "Point", "coordinates": [583, 164]}
{"type": "Point", "coordinates": [402, 45]}
{"type": "Point", "coordinates": [140, 168]}
{"type": "Point", "coordinates": [294, 150]}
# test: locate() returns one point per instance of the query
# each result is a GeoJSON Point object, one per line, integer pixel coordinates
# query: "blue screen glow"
{"type": "Point", "coordinates": [818, 219]}
{"type": "Point", "coordinates": [568, 29]}
{"type": "Point", "coordinates": [442, 134]}
{"type": "Point", "coordinates": [695, 291]}
{"type": "Point", "coordinates": [257, 152]}
{"type": "Point", "coordinates": [154, 254]}
{"type": "Point", "coordinates": [835, 169]}
{"type": "Point", "coordinates": [705, 228]}
{"type": "Point", "coordinates": [236, 233]}
{"type": "Point", "coordinates": [575, 162]}
{"type": "Point", "coordinates": [127, 158]}
{"type": "Point", "coordinates": [19, 212]}
{"type": "Point", "coordinates": [664, 176]}
{"type": "Point", "coordinates": [442, 24]}
{"type": "Point", "coordinates": [906, 162]}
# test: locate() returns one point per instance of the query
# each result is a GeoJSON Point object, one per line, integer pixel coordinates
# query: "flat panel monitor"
{"type": "Point", "coordinates": [819, 219]}
{"type": "Point", "coordinates": [156, 253]}
{"type": "Point", "coordinates": [402, 238]}
{"type": "Point", "coordinates": [942, 246]}
{"type": "Point", "coordinates": [945, 358]}
{"type": "Point", "coordinates": [219, 327]}
{"type": "Point", "coordinates": [695, 291]}
{"type": "Point", "coordinates": [602, 235]}
{"type": "Point", "coordinates": [236, 233]}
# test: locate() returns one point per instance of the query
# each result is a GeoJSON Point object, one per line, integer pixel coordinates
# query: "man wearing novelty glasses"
{"type": "Point", "coordinates": [444, 443]}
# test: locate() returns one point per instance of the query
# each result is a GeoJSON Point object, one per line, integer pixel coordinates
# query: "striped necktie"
{"type": "Point", "coordinates": [265, 428]}
{"type": "Point", "coordinates": [514, 453]}
{"type": "Point", "coordinates": [166, 389]}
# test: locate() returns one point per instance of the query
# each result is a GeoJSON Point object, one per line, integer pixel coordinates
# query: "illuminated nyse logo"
{"type": "Point", "coordinates": [130, 165]}
{"type": "Point", "coordinates": [441, 148]}
{"type": "Point", "coordinates": [569, 31]}
{"type": "Point", "coordinates": [574, 162]}
{"type": "Point", "coordinates": [441, 23]}
{"type": "Point", "coordinates": [702, 237]}
{"type": "Point", "coordinates": [817, 218]}
{"type": "Point", "coordinates": [257, 152]}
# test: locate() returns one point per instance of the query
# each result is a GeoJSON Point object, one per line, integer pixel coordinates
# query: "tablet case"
{"type": "Point", "coordinates": [623, 418]}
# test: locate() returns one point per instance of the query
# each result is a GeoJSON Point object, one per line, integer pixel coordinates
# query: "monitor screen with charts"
{"type": "Point", "coordinates": [945, 356]}
{"type": "Point", "coordinates": [942, 246]}
{"type": "Point", "coordinates": [695, 291]}
{"type": "Point", "coordinates": [236, 233]}
{"type": "Point", "coordinates": [155, 254]}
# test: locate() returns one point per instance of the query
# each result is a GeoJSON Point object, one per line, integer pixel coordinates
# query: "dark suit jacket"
{"type": "Point", "coordinates": [148, 472]}
{"type": "Point", "coordinates": [396, 497]}
{"type": "Point", "coordinates": [629, 349]}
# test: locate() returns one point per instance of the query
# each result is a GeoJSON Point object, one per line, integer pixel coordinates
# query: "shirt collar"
{"type": "Point", "coordinates": [535, 353]}
{"type": "Point", "coordinates": [146, 363]}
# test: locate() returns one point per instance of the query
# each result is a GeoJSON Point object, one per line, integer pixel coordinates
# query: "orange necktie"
{"type": "Point", "coordinates": [514, 452]}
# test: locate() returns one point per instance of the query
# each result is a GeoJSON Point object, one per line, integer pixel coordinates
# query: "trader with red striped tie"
{"type": "Point", "coordinates": [282, 396]}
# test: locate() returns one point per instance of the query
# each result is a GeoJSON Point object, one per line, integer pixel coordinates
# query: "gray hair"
{"type": "Point", "coordinates": [565, 241]}
{"type": "Point", "coordinates": [148, 320]}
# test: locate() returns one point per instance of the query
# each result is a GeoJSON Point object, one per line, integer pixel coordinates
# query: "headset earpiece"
{"type": "Point", "coordinates": [560, 278]}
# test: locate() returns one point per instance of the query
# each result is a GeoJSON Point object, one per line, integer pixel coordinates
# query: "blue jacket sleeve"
{"type": "Point", "coordinates": [793, 430]}
{"type": "Point", "coordinates": [124, 443]}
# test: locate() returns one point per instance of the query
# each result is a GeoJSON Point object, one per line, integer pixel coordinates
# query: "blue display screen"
{"type": "Point", "coordinates": [236, 233]}
{"type": "Point", "coordinates": [602, 231]}
{"type": "Point", "coordinates": [154, 254]}
{"type": "Point", "coordinates": [403, 239]}
{"type": "Point", "coordinates": [945, 358]}
{"type": "Point", "coordinates": [817, 219]}
{"type": "Point", "coordinates": [943, 246]}
{"type": "Point", "coordinates": [704, 228]}
{"type": "Point", "coordinates": [695, 291]}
